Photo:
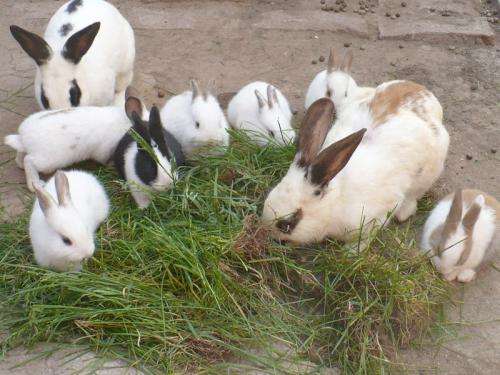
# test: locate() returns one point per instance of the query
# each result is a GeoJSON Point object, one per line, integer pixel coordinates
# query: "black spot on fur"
{"type": "Point", "coordinates": [45, 101]}
{"type": "Point", "coordinates": [65, 29]}
{"type": "Point", "coordinates": [73, 6]}
{"type": "Point", "coordinates": [145, 167]}
{"type": "Point", "coordinates": [287, 225]}
{"type": "Point", "coordinates": [75, 94]}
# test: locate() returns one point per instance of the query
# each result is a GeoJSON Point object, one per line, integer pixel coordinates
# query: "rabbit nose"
{"type": "Point", "coordinates": [287, 225]}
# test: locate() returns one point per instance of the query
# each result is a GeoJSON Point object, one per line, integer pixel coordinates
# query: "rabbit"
{"type": "Point", "coordinates": [459, 231]}
{"type": "Point", "coordinates": [336, 83]}
{"type": "Point", "coordinates": [368, 170]}
{"type": "Point", "coordinates": [86, 57]}
{"type": "Point", "coordinates": [196, 120]}
{"type": "Point", "coordinates": [51, 140]}
{"type": "Point", "coordinates": [265, 118]}
{"type": "Point", "coordinates": [67, 212]}
{"type": "Point", "coordinates": [137, 166]}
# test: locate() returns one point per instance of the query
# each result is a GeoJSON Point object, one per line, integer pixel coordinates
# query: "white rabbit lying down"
{"type": "Point", "coordinates": [459, 231]}
{"type": "Point", "coordinates": [66, 214]}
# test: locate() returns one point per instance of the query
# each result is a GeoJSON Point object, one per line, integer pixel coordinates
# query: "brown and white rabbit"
{"type": "Point", "coordinates": [459, 232]}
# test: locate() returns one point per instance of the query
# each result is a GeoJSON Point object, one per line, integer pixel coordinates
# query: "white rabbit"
{"type": "Point", "coordinates": [333, 187]}
{"type": "Point", "coordinates": [50, 140]}
{"type": "Point", "coordinates": [336, 83]}
{"type": "Point", "coordinates": [196, 120]}
{"type": "Point", "coordinates": [264, 119]}
{"type": "Point", "coordinates": [459, 232]}
{"type": "Point", "coordinates": [66, 214]}
{"type": "Point", "coordinates": [85, 58]}
{"type": "Point", "coordinates": [137, 166]}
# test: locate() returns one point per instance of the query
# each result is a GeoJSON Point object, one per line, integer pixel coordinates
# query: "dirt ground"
{"type": "Point", "coordinates": [284, 42]}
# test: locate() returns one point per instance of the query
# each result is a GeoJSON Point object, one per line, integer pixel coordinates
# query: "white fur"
{"type": "Point", "coordinates": [140, 191]}
{"type": "Point", "coordinates": [482, 236]}
{"type": "Point", "coordinates": [105, 70]}
{"type": "Point", "coordinates": [180, 115]}
{"type": "Point", "coordinates": [395, 164]}
{"type": "Point", "coordinates": [50, 140]}
{"type": "Point", "coordinates": [244, 113]}
{"type": "Point", "coordinates": [77, 221]}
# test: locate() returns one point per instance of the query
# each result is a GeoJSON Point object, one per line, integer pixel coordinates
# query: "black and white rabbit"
{"type": "Point", "coordinates": [136, 164]}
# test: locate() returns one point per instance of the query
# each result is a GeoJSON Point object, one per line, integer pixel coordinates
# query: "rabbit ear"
{"type": "Point", "coordinates": [195, 88]}
{"type": "Point", "coordinates": [469, 221]}
{"type": "Point", "coordinates": [347, 62]}
{"type": "Point", "coordinates": [157, 132]}
{"type": "Point", "coordinates": [331, 61]}
{"type": "Point", "coordinates": [45, 200]}
{"type": "Point", "coordinates": [210, 88]}
{"type": "Point", "coordinates": [270, 96]}
{"type": "Point", "coordinates": [452, 220]}
{"type": "Point", "coordinates": [133, 105]}
{"type": "Point", "coordinates": [315, 126]}
{"type": "Point", "coordinates": [80, 42]}
{"type": "Point", "coordinates": [140, 128]}
{"type": "Point", "coordinates": [62, 189]}
{"type": "Point", "coordinates": [35, 46]}
{"type": "Point", "coordinates": [334, 158]}
{"type": "Point", "coordinates": [260, 99]}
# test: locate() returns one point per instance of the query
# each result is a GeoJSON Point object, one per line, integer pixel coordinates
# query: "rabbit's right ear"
{"type": "Point", "coordinates": [315, 126]}
{"type": "Point", "coordinates": [195, 88]}
{"type": "Point", "coordinates": [332, 61]}
{"type": "Point", "coordinates": [35, 46]}
{"type": "Point", "coordinates": [133, 105]}
{"type": "Point", "coordinates": [452, 220]}
{"type": "Point", "coordinates": [45, 200]}
{"type": "Point", "coordinates": [80, 42]}
{"type": "Point", "coordinates": [62, 189]}
{"type": "Point", "coordinates": [140, 128]}
{"type": "Point", "coordinates": [260, 99]}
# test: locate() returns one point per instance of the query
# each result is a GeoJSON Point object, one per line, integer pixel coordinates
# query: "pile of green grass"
{"type": "Point", "coordinates": [191, 283]}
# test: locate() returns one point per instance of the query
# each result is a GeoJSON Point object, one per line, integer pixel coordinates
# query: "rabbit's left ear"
{"type": "Point", "coordinates": [80, 42]}
{"type": "Point", "coordinates": [133, 105]}
{"type": "Point", "coordinates": [62, 189]}
{"type": "Point", "coordinates": [45, 200]}
{"type": "Point", "coordinates": [472, 214]}
{"type": "Point", "coordinates": [452, 220]}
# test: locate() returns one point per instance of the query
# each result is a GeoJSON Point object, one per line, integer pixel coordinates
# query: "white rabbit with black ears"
{"type": "Point", "coordinates": [196, 120]}
{"type": "Point", "coordinates": [265, 118]}
{"type": "Point", "coordinates": [86, 56]}
{"type": "Point", "coordinates": [67, 212]}
{"type": "Point", "coordinates": [150, 164]}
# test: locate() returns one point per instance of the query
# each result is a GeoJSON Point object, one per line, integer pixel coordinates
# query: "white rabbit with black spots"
{"type": "Point", "coordinates": [459, 233]}
{"type": "Point", "coordinates": [196, 120]}
{"type": "Point", "coordinates": [67, 212]}
{"type": "Point", "coordinates": [86, 57]}
{"type": "Point", "coordinates": [263, 111]}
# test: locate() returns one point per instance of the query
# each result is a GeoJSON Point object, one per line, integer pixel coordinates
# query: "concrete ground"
{"type": "Point", "coordinates": [446, 45]}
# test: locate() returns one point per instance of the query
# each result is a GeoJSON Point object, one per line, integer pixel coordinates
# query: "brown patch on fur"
{"type": "Point", "coordinates": [469, 221]}
{"type": "Point", "coordinates": [468, 195]}
{"type": "Point", "coordinates": [452, 220]}
{"type": "Point", "coordinates": [253, 239]}
{"type": "Point", "coordinates": [315, 126]}
{"type": "Point", "coordinates": [387, 102]}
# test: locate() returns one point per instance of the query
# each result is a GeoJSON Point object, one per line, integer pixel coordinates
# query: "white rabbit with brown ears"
{"type": "Point", "coordinates": [459, 232]}
{"type": "Point", "coordinates": [367, 170]}
{"type": "Point", "coordinates": [86, 56]}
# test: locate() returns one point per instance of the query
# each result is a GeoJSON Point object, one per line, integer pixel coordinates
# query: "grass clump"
{"type": "Point", "coordinates": [194, 282]}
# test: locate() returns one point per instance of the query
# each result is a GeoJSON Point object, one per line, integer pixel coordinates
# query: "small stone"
{"type": "Point", "coordinates": [322, 1]}
{"type": "Point", "coordinates": [393, 63]}
{"type": "Point", "coordinates": [362, 12]}
{"type": "Point", "coordinates": [452, 48]}
{"type": "Point", "coordinates": [347, 45]}
{"type": "Point", "coordinates": [398, 15]}
{"type": "Point", "coordinates": [393, 17]}
{"type": "Point", "coordinates": [336, 10]}
{"type": "Point", "coordinates": [295, 112]}
{"type": "Point", "coordinates": [432, 10]}
{"type": "Point", "coordinates": [474, 86]}
{"type": "Point", "coordinates": [401, 46]}
{"type": "Point", "coordinates": [324, 8]}
{"type": "Point", "coordinates": [387, 14]}
{"type": "Point", "coordinates": [362, 48]}
{"type": "Point", "coordinates": [161, 93]}
{"type": "Point", "coordinates": [445, 13]}
{"type": "Point", "coordinates": [321, 58]}
{"type": "Point", "coordinates": [372, 10]}
{"type": "Point", "coordinates": [468, 157]}
{"type": "Point", "coordinates": [314, 62]}
{"type": "Point", "coordinates": [493, 150]}
{"type": "Point", "coordinates": [403, 4]}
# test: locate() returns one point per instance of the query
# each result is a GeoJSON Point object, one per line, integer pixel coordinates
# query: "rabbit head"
{"type": "Point", "coordinates": [339, 83]}
{"type": "Point", "coordinates": [297, 208]}
{"type": "Point", "coordinates": [209, 122]}
{"type": "Point", "coordinates": [57, 83]}
{"type": "Point", "coordinates": [70, 236]}
{"type": "Point", "coordinates": [276, 123]}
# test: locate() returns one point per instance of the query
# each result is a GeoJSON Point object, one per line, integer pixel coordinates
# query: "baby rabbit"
{"type": "Point", "coordinates": [51, 140]}
{"type": "Point", "coordinates": [85, 58]}
{"type": "Point", "coordinates": [196, 120]}
{"type": "Point", "coordinates": [136, 165]}
{"type": "Point", "coordinates": [336, 83]}
{"type": "Point", "coordinates": [264, 119]}
{"type": "Point", "coordinates": [367, 170]}
{"type": "Point", "coordinates": [62, 229]}
{"type": "Point", "coordinates": [459, 231]}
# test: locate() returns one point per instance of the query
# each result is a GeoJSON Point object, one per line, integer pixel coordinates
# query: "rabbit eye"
{"type": "Point", "coordinates": [197, 125]}
{"type": "Point", "coordinates": [271, 133]}
{"type": "Point", "coordinates": [317, 192]}
{"type": "Point", "coordinates": [66, 241]}
{"type": "Point", "coordinates": [329, 93]}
